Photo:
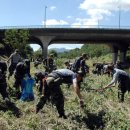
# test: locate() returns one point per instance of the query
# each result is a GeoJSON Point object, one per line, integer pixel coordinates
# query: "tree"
{"type": "Point", "coordinates": [93, 50]}
{"type": "Point", "coordinates": [29, 51]}
{"type": "Point", "coordinates": [2, 49]}
{"type": "Point", "coordinates": [53, 52]}
{"type": "Point", "coordinates": [16, 38]}
{"type": "Point", "coordinates": [38, 53]}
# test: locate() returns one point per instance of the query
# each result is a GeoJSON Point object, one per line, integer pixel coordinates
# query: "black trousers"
{"type": "Point", "coordinates": [52, 92]}
{"type": "Point", "coordinates": [17, 85]}
{"type": "Point", "coordinates": [123, 86]}
{"type": "Point", "coordinates": [3, 89]}
{"type": "Point", "coordinates": [12, 68]}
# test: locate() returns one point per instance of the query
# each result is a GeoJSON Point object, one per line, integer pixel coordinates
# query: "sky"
{"type": "Point", "coordinates": [65, 13]}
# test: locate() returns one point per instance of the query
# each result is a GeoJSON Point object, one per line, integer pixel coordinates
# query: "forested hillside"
{"type": "Point", "coordinates": [93, 50]}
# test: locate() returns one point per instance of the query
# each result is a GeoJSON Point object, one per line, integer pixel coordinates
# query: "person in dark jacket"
{"type": "Point", "coordinates": [84, 67]}
{"type": "Point", "coordinates": [80, 65]}
{"type": "Point", "coordinates": [22, 69]}
{"type": "Point", "coordinates": [53, 91]}
{"type": "Point", "coordinates": [3, 83]}
{"type": "Point", "coordinates": [98, 68]}
{"type": "Point", "coordinates": [37, 62]}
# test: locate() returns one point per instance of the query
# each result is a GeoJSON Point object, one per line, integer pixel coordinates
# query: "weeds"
{"type": "Point", "coordinates": [102, 111]}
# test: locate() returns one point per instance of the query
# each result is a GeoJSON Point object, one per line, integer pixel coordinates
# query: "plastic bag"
{"type": "Point", "coordinates": [27, 89]}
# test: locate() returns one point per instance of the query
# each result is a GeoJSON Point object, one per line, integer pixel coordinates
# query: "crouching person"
{"type": "Point", "coordinates": [123, 80]}
{"type": "Point", "coordinates": [22, 69]}
{"type": "Point", "coordinates": [3, 83]}
{"type": "Point", "coordinates": [53, 91]}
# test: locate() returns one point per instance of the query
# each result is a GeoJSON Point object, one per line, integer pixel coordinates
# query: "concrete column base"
{"type": "Point", "coordinates": [123, 57]}
{"type": "Point", "coordinates": [46, 40]}
{"type": "Point", "coordinates": [114, 54]}
{"type": "Point", "coordinates": [114, 57]}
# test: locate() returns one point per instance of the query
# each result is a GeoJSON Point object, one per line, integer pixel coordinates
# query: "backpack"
{"type": "Point", "coordinates": [76, 65]}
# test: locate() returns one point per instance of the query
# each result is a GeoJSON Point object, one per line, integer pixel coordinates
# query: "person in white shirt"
{"type": "Point", "coordinates": [123, 80]}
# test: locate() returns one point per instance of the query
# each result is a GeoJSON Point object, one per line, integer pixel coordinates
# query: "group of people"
{"type": "Point", "coordinates": [50, 81]}
{"type": "Point", "coordinates": [118, 76]}
{"type": "Point", "coordinates": [79, 64]}
{"type": "Point", "coordinates": [19, 68]}
{"type": "Point", "coordinates": [48, 63]}
{"type": "Point", "coordinates": [73, 74]}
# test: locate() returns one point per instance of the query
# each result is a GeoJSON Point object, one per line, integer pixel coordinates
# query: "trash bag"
{"type": "Point", "coordinates": [27, 89]}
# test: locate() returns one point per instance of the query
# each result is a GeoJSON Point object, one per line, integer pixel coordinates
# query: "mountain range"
{"type": "Point", "coordinates": [60, 49]}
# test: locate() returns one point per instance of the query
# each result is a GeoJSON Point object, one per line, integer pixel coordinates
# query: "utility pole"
{"type": "Point", "coordinates": [98, 23]}
{"type": "Point", "coordinates": [45, 17]}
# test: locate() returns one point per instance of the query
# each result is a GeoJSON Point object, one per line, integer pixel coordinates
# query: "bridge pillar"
{"type": "Point", "coordinates": [114, 54]}
{"type": "Point", "coordinates": [45, 50]}
{"type": "Point", "coordinates": [45, 42]}
{"type": "Point", "coordinates": [123, 50]}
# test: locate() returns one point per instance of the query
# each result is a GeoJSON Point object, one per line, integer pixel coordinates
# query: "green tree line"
{"type": "Point", "coordinates": [93, 50]}
{"type": "Point", "coordinates": [16, 39]}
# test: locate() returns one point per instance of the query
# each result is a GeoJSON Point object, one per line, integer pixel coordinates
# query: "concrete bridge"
{"type": "Point", "coordinates": [117, 39]}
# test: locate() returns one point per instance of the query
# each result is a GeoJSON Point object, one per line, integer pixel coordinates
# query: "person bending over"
{"type": "Point", "coordinates": [123, 80]}
{"type": "Point", "coordinates": [52, 89]}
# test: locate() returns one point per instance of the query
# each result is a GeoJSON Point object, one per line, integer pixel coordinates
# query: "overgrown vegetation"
{"type": "Point", "coordinates": [16, 39]}
{"type": "Point", "coordinates": [102, 110]}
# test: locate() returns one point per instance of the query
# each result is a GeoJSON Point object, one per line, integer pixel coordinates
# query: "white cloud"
{"type": "Point", "coordinates": [97, 9]}
{"type": "Point", "coordinates": [55, 22]}
{"type": "Point", "coordinates": [110, 5]}
{"type": "Point", "coordinates": [67, 46]}
{"type": "Point", "coordinates": [83, 23]}
{"type": "Point", "coordinates": [52, 8]}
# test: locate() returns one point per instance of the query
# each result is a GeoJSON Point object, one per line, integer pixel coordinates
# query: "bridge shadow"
{"type": "Point", "coordinates": [93, 121]}
{"type": "Point", "coordinates": [8, 105]}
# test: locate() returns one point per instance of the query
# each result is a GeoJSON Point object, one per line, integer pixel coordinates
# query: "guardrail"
{"type": "Point", "coordinates": [64, 26]}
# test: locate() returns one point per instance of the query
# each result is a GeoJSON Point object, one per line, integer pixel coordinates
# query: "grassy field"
{"type": "Point", "coordinates": [102, 111]}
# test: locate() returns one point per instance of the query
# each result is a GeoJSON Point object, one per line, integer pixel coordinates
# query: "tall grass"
{"type": "Point", "coordinates": [102, 111]}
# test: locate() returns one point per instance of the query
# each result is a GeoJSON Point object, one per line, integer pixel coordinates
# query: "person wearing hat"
{"type": "Point", "coordinates": [22, 70]}
{"type": "Point", "coordinates": [123, 80]}
{"type": "Point", "coordinates": [14, 59]}
{"type": "Point", "coordinates": [52, 89]}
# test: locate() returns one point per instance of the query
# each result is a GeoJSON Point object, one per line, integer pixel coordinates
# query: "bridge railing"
{"type": "Point", "coordinates": [64, 26]}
